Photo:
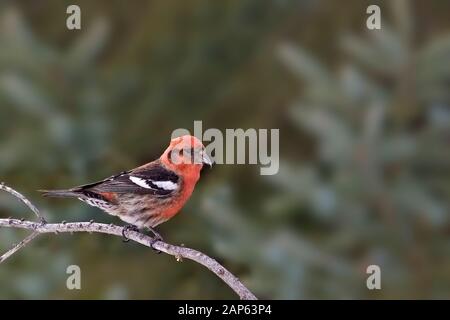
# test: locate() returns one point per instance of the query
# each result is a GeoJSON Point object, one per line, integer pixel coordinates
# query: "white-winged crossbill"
{"type": "Point", "coordinates": [150, 194]}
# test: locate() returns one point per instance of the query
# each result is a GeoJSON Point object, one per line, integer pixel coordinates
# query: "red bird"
{"type": "Point", "coordinates": [151, 194]}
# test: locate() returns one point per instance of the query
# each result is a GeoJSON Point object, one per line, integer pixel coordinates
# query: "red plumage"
{"type": "Point", "coordinates": [150, 194]}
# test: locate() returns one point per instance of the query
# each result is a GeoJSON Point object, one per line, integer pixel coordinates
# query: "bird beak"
{"type": "Point", "coordinates": [206, 159]}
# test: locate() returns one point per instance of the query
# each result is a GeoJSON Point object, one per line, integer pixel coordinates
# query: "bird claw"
{"type": "Point", "coordinates": [127, 228]}
{"type": "Point", "coordinates": [152, 242]}
{"type": "Point", "coordinates": [130, 227]}
{"type": "Point", "coordinates": [156, 237]}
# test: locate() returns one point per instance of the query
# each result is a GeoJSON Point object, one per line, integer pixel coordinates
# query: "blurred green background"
{"type": "Point", "coordinates": [364, 125]}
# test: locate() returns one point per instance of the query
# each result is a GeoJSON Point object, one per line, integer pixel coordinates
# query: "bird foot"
{"type": "Point", "coordinates": [156, 237]}
{"type": "Point", "coordinates": [128, 227]}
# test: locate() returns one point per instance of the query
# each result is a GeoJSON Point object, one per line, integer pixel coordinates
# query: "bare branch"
{"type": "Point", "coordinates": [22, 198]}
{"type": "Point", "coordinates": [178, 252]}
{"type": "Point", "coordinates": [18, 246]}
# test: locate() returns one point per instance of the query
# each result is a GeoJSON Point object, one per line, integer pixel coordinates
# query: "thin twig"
{"type": "Point", "coordinates": [176, 251]}
{"type": "Point", "coordinates": [18, 246]}
{"type": "Point", "coordinates": [22, 198]}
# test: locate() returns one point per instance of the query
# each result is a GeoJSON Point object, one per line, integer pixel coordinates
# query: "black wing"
{"type": "Point", "coordinates": [154, 179]}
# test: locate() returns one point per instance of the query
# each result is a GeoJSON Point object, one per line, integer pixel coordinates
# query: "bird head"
{"type": "Point", "coordinates": [186, 153]}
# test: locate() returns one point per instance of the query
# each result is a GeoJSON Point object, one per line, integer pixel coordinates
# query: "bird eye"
{"type": "Point", "coordinates": [183, 155]}
{"type": "Point", "coordinates": [175, 156]}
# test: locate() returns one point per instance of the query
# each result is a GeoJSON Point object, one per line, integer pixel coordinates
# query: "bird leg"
{"type": "Point", "coordinates": [127, 228]}
{"type": "Point", "coordinates": [156, 237]}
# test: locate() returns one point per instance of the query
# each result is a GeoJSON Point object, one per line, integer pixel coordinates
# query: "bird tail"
{"type": "Point", "coordinates": [60, 193]}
